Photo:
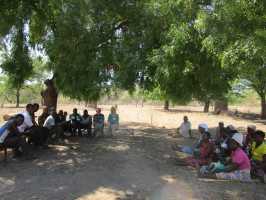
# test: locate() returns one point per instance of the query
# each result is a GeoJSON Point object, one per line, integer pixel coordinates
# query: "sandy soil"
{"type": "Point", "coordinates": [138, 163]}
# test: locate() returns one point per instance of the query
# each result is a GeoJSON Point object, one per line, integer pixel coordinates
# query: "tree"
{"type": "Point", "coordinates": [237, 36]}
{"type": "Point", "coordinates": [186, 70]}
{"type": "Point", "coordinates": [18, 64]}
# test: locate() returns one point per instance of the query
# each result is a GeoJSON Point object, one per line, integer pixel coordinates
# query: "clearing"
{"type": "Point", "coordinates": [138, 163]}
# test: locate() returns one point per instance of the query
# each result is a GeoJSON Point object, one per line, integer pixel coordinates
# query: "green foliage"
{"type": "Point", "coordinates": [18, 65]}
{"type": "Point", "coordinates": [177, 49]}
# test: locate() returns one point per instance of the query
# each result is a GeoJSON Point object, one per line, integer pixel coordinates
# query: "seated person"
{"type": "Point", "coordinates": [194, 150]}
{"type": "Point", "coordinates": [35, 108]}
{"type": "Point", "coordinates": [185, 128]}
{"type": "Point", "coordinates": [220, 133]}
{"type": "Point", "coordinates": [86, 122]}
{"type": "Point", "coordinates": [222, 149]}
{"type": "Point", "coordinates": [65, 115]}
{"type": "Point", "coordinates": [35, 134]}
{"type": "Point", "coordinates": [75, 122]}
{"type": "Point", "coordinates": [60, 117]}
{"type": "Point", "coordinates": [206, 150]}
{"type": "Point", "coordinates": [237, 167]}
{"type": "Point", "coordinates": [98, 122]}
{"type": "Point", "coordinates": [11, 138]}
{"type": "Point", "coordinates": [258, 156]}
{"type": "Point", "coordinates": [54, 130]}
{"type": "Point", "coordinates": [250, 137]}
{"type": "Point", "coordinates": [113, 121]}
{"type": "Point", "coordinates": [43, 116]}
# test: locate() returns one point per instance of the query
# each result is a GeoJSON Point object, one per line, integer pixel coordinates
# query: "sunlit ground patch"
{"type": "Point", "coordinates": [118, 148]}
{"type": "Point", "coordinates": [6, 185]}
{"type": "Point", "coordinates": [104, 193]}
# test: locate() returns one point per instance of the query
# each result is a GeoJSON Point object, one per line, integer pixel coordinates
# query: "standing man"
{"type": "Point", "coordinates": [49, 95]}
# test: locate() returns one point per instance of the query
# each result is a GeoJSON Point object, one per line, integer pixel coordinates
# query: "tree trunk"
{"type": "Point", "coordinates": [17, 97]}
{"type": "Point", "coordinates": [221, 106]}
{"type": "Point", "coordinates": [166, 105]}
{"type": "Point", "coordinates": [207, 106]}
{"type": "Point", "coordinates": [263, 107]}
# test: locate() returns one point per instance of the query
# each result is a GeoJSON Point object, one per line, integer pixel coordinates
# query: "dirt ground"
{"type": "Point", "coordinates": [136, 164]}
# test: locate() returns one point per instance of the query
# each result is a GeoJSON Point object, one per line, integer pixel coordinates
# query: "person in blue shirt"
{"type": "Point", "coordinates": [98, 123]}
{"type": "Point", "coordinates": [75, 122]}
{"type": "Point", "coordinates": [113, 121]}
{"type": "Point", "coordinates": [10, 137]}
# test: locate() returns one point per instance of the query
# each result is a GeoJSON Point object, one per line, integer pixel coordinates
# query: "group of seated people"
{"type": "Point", "coordinates": [21, 131]}
{"type": "Point", "coordinates": [230, 155]}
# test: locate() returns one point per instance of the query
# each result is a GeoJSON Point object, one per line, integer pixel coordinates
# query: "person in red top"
{"type": "Point", "coordinates": [206, 152]}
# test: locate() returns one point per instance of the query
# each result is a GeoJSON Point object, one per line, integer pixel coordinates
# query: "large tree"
{"type": "Point", "coordinates": [237, 35]}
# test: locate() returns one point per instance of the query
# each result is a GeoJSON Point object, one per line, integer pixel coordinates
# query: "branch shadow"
{"type": "Point", "coordinates": [138, 163]}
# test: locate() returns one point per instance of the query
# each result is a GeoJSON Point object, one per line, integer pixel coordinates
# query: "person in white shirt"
{"type": "Point", "coordinates": [53, 129]}
{"type": "Point", "coordinates": [49, 122]}
{"type": "Point", "coordinates": [27, 124]}
{"type": "Point", "coordinates": [11, 138]}
{"type": "Point", "coordinates": [185, 128]}
{"type": "Point", "coordinates": [35, 134]}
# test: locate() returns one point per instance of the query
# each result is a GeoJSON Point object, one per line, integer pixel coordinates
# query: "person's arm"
{"type": "Point", "coordinates": [190, 133]}
{"type": "Point", "coordinates": [231, 167]}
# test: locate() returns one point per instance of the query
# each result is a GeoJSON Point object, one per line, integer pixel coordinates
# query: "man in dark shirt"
{"type": "Point", "coordinates": [43, 116]}
{"type": "Point", "coordinates": [75, 121]}
{"type": "Point", "coordinates": [86, 122]}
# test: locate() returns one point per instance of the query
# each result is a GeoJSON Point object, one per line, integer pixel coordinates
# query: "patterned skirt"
{"type": "Point", "coordinates": [238, 175]}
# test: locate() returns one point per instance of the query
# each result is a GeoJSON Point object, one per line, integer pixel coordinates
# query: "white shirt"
{"type": "Point", "coordinates": [184, 129]}
{"type": "Point", "coordinates": [49, 122]}
{"type": "Point", "coordinates": [27, 122]}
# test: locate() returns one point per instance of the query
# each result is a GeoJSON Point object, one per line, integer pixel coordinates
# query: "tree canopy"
{"type": "Point", "coordinates": [187, 49]}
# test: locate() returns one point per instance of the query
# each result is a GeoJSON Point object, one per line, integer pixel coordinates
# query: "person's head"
{"type": "Point", "coordinates": [29, 108]}
{"type": "Point", "coordinates": [45, 110]}
{"type": "Point", "coordinates": [85, 112]}
{"type": "Point", "coordinates": [35, 107]}
{"type": "Point", "coordinates": [185, 119]}
{"type": "Point", "coordinates": [65, 113]}
{"type": "Point", "coordinates": [221, 125]}
{"type": "Point", "coordinates": [203, 128]}
{"type": "Point", "coordinates": [236, 141]}
{"type": "Point", "coordinates": [251, 129]}
{"type": "Point", "coordinates": [113, 110]}
{"type": "Point", "coordinates": [98, 110]}
{"type": "Point", "coordinates": [206, 136]}
{"type": "Point", "coordinates": [19, 119]}
{"type": "Point", "coordinates": [53, 113]}
{"type": "Point", "coordinates": [61, 112]}
{"type": "Point", "coordinates": [230, 130]}
{"type": "Point", "coordinates": [259, 136]}
{"type": "Point", "coordinates": [75, 110]}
